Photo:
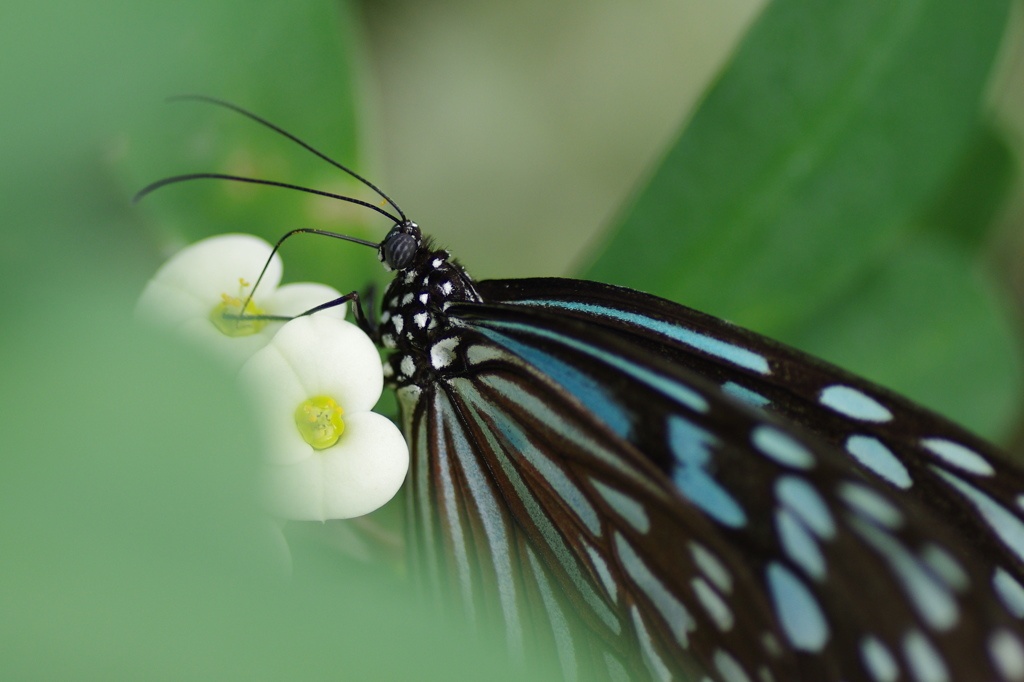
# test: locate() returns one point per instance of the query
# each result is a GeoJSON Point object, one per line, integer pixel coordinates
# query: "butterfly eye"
{"type": "Point", "coordinates": [399, 247]}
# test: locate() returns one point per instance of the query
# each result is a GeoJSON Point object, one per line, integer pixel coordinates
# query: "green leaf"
{"type": "Point", "coordinates": [818, 145]}
{"type": "Point", "coordinates": [969, 202]}
{"type": "Point", "coordinates": [88, 127]}
{"type": "Point", "coordinates": [294, 65]}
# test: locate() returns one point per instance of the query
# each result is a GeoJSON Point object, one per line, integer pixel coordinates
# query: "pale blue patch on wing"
{"type": "Point", "coordinates": [745, 394]}
{"type": "Point", "coordinates": [848, 401]}
{"type": "Point", "coordinates": [781, 447]}
{"type": "Point", "coordinates": [601, 566]}
{"type": "Point", "coordinates": [625, 506]}
{"type": "Point", "coordinates": [947, 568]}
{"type": "Point", "coordinates": [730, 352]}
{"type": "Point", "coordinates": [711, 566]}
{"type": "Point", "coordinates": [1010, 592]}
{"type": "Point", "coordinates": [668, 386]}
{"type": "Point", "coordinates": [873, 454]}
{"type": "Point", "coordinates": [713, 604]}
{"type": "Point", "coordinates": [559, 624]}
{"type": "Point", "coordinates": [800, 496]}
{"type": "Point", "coordinates": [926, 663]}
{"type": "Point", "coordinates": [729, 668]}
{"type": "Point", "coordinates": [800, 545]}
{"type": "Point", "coordinates": [879, 660]}
{"type": "Point", "coordinates": [1006, 651]}
{"type": "Point", "coordinates": [616, 671]}
{"type": "Point", "coordinates": [959, 456]}
{"type": "Point", "coordinates": [691, 446]}
{"type": "Point", "coordinates": [676, 616]}
{"type": "Point", "coordinates": [870, 504]}
{"type": "Point", "coordinates": [931, 598]}
{"type": "Point", "coordinates": [797, 609]}
{"type": "Point", "coordinates": [555, 476]}
{"type": "Point", "coordinates": [578, 384]}
{"type": "Point", "coordinates": [655, 665]}
{"type": "Point", "coordinates": [1007, 526]}
{"type": "Point", "coordinates": [494, 523]}
{"type": "Point", "coordinates": [539, 516]}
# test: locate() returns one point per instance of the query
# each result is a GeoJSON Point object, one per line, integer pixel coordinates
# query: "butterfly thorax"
{"type": "Point", "coordinates": [413, 320]}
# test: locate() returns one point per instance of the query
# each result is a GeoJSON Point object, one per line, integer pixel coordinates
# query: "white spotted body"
{"type": "Point", "coordinates": [414, 322]}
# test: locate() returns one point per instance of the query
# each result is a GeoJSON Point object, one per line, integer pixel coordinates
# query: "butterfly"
{"type": "Point", "coordinates": [642, 491]}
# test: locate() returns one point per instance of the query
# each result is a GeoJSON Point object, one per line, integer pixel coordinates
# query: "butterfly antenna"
{"type": "Point", "coordinates": [152, 187]}
{"type": "Point", "coordinates": [293, 138]}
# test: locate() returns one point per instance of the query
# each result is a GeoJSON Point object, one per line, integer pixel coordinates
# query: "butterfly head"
{"type": "Point", "coordinates": [400, 246]}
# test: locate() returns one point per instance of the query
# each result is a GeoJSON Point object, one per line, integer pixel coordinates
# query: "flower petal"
{"type": "Point", "coordinates": [187, 288]}
{"type": "Point", "coordinates": [366, 468]}
{"type": "Point", "coordinates": [276, 392]}
{"type": "Point", "coordinates": [292, 299]}
{"type": "Point", "coordinates": [217, 263]}
{"type": "Point", "coordinates": [334, 358]}
{"type": "Point", "coordinates": [357, 475]}
{"type": "Point", "coordinates": [234, 351]}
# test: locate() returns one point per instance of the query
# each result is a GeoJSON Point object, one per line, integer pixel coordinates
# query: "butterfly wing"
{"type": "Point", "coordinates": [886, 437]}
{"type": "Point", "coordinates": [678, 527]}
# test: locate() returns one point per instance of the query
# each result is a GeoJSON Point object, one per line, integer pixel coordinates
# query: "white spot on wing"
{"type": "Point", "coordinates": [407, 299]}
{"type": "Point", "coordinates": [442, 353]}
{"type": "Point", "coordinates": [407, 366]}
{"type": "Point", "coordinates": [399, 323]}
{"type": "Point", "coordinates": [424, 298]}
{"type": "Point", "coordinates": [421, 320]}
{"type": "Point", "coordinates": [446, 288]}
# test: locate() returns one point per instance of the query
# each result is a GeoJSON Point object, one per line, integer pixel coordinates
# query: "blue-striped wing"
{"type": "Point", "coordinates": [577, 470]}
{"type": "Point", "coordinates": [885, 436]}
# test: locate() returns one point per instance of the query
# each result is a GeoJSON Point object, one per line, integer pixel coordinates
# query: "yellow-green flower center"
{"type": "Point", "coordinates": [230, 318]}
{"type": "Point", "coordinates": [319, 421]}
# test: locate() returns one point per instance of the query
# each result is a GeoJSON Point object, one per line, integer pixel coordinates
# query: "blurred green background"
{"type": "Point", "coordinates": [844, 176]}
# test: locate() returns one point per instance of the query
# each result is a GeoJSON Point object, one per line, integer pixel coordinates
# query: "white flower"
{"type": "Point", "coordinates": [328, 455]}
{"type": "Point", "coordinates": [197, 291]}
